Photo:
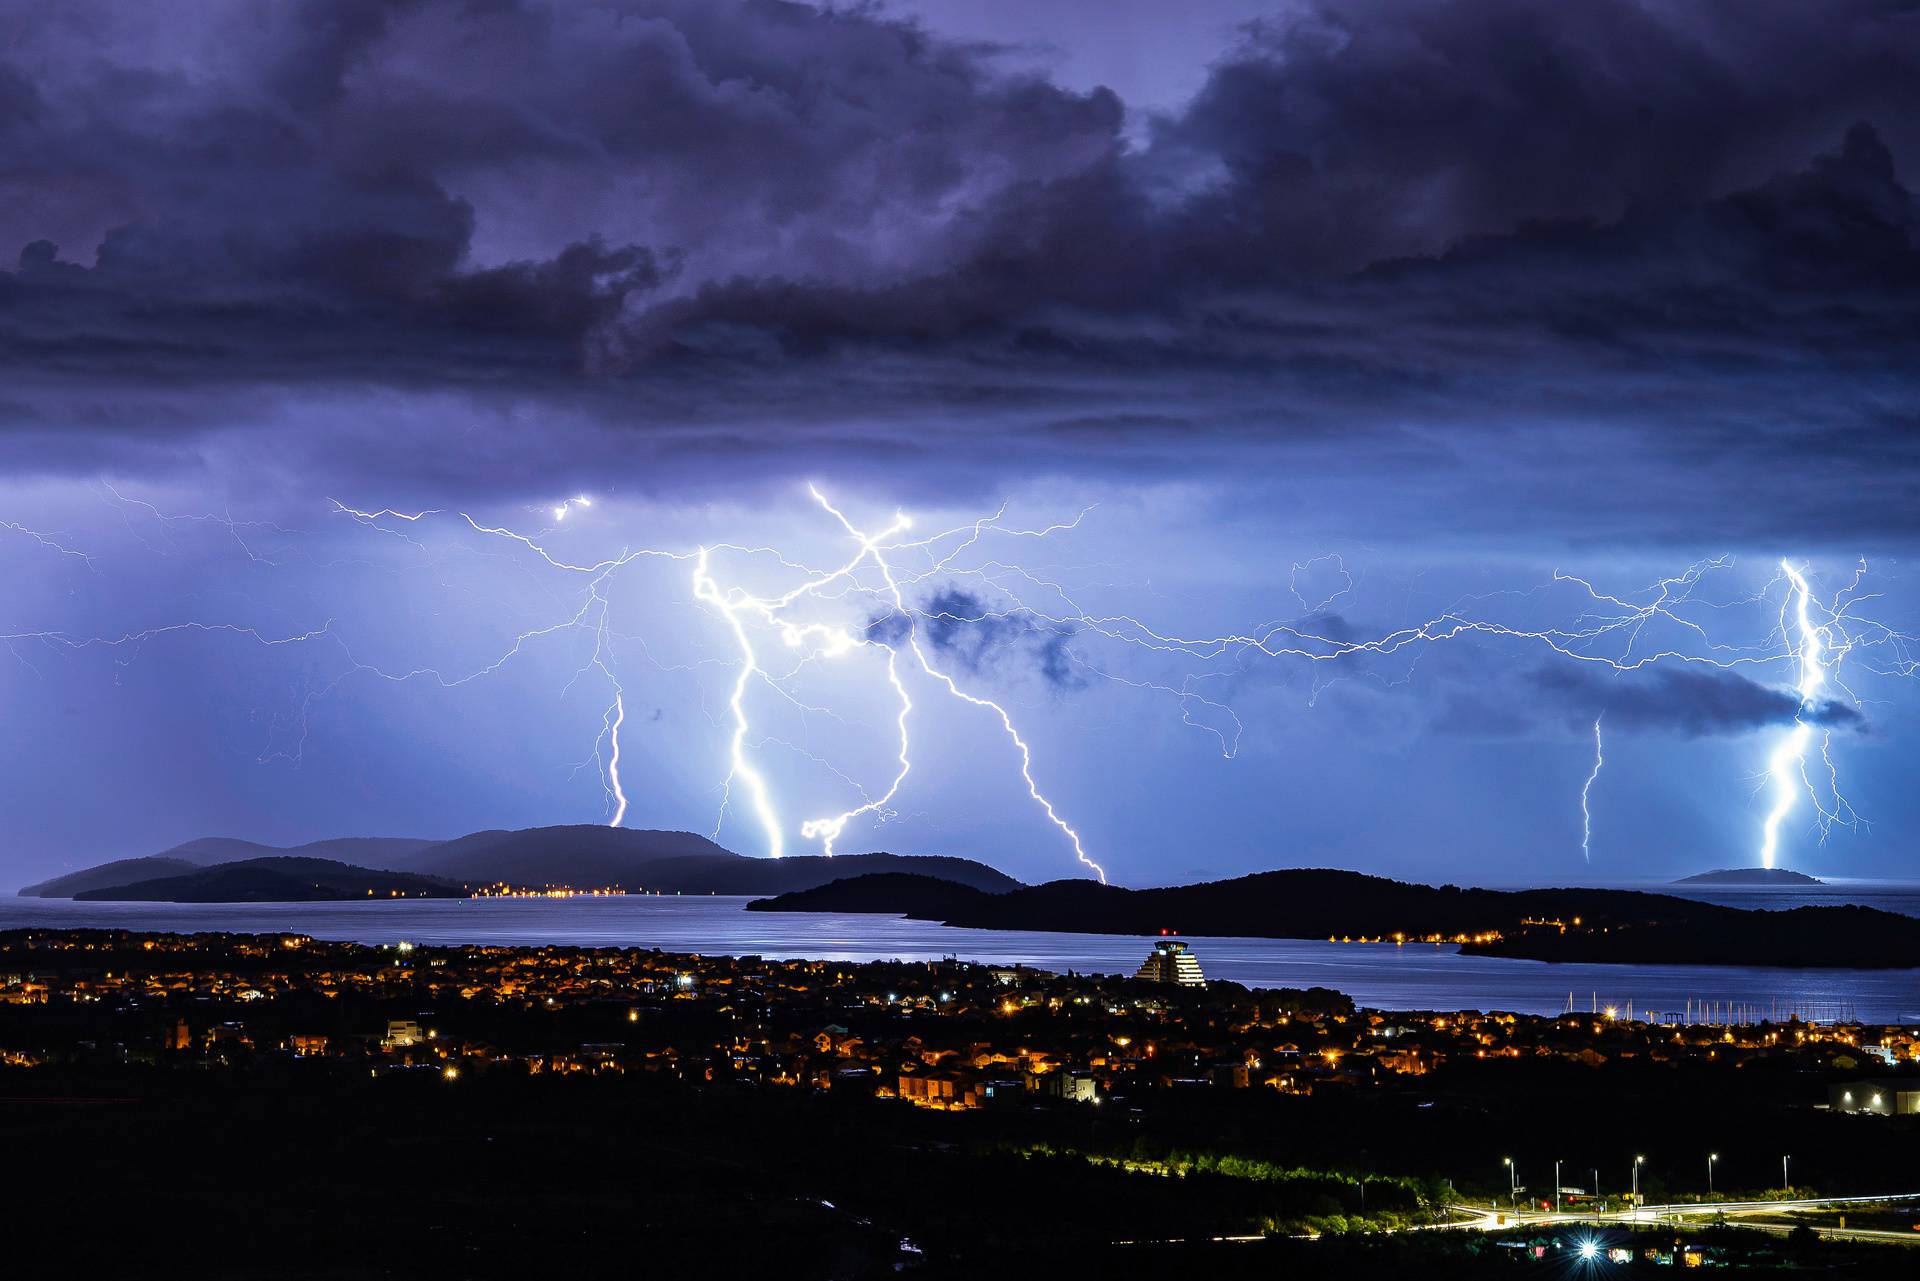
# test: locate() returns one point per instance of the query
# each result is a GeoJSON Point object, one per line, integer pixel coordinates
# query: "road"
{"type": "Point", "coordinates": [1478, 1218]}
{"type": "Point", "coordinates": [1475, 1218]}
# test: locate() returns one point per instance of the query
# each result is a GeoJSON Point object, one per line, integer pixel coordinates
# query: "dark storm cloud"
{"type": "Point", "coordinates": [1367, 131]}
{"type": "Point", "coordinates": [1625, 266]}
{"type": "Point", "coordinates": [1693, 702]}
{"type": "Point", "coordinates": [429, 169]}
{"type": "Point", "coordinates": [959, 625]}
{"type": "Point", "coordinates": [1492, 691]}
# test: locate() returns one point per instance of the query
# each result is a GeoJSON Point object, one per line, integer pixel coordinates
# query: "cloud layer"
{"type": "Point", "coordinates": [1690, 702]}
{"type": "Point", "coordinates": [1624, 269]}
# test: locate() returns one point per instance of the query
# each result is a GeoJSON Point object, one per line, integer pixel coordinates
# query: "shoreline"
{"type": "Point", "coordinates": [1378, 976]}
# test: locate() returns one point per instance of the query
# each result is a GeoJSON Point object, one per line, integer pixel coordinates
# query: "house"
{"type": "Point", "coordinates": [402, 1034]}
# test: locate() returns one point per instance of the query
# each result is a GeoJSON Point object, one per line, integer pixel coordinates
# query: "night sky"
{"type": "Point", "coordinates": [1367, 398]}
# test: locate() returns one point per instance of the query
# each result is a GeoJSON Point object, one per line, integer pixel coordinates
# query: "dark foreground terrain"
{"type": "Point", "coordinates": [229, 1106]}
{"type": "Point", "coordinates": [278, 1176]}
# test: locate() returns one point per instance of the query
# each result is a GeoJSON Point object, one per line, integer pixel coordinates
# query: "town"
{"type": "Point", "coordinates": [947, 1034]}
{"type": "Point", "coordinates": [1310, 1116]}
{"type": "Point", "coordinates": [1289, 1116]}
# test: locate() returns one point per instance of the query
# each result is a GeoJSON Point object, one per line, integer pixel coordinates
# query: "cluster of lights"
{"type": "Point", "coordinates": [501, 889]}
{"type": "Point", "coordinates": [1401, 939]}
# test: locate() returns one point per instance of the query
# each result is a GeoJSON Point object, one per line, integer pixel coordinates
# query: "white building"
{"type": "Point", "coordinates": [1074, 1087]}
{"type": "Point", "coordinates": [402, 1033]}
{"type": "Point", "coordinates": [1170, 962]}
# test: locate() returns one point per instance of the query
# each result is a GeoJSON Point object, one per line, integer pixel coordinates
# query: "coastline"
{"type": "Point", "coordinates": [1382, 976]}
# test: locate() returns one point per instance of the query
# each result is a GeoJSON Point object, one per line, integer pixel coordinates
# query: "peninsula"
{"type": "Point", "coordinates": [1592, 925]}
{"type": "Point", "coordinates": [572, 858]}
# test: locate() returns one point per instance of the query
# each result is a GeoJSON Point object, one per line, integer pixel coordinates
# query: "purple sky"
{"type": "Point", "coordinates": [1462, 294]}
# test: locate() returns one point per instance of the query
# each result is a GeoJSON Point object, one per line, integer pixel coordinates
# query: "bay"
{"type": "Point", "coordinates": [1380, 976]}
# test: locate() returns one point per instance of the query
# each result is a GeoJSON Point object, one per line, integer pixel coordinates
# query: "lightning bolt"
{"type": "Point", "coordinates": [1789, 759]}
{"type": "Point", "coordinates": [1586, 814]}
{"type": "Point", "coordinates": [613, 761]}
{"type": "Point", "coordinates": [828, 830]}
{"type": "Point", "coordinates": [1678, 620]}
{"type": "Point", "coordinates": [708, 590]}
{"type": "Point", "coordinates": [50, 541]}
{"type": "Point", "coordinates": [872, 547]}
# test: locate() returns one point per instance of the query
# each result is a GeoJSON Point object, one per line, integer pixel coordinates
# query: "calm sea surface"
{"type": "Point", "coordinates": [1416, 976]}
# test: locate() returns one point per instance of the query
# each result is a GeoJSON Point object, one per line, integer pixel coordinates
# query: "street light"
{"type": "Point", "coordinates": [1513, 1181]}
{"type": "Point", "coordinates": [1786, 1184]}
{"type": "Point", "coordinates": [1711, 1158]}
{"type": "Point", "coordinates": [1637, 1163]}
{"type": "Point", "coordinates": [1556, 1187]}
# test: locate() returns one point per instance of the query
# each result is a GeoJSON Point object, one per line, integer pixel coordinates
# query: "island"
{"type": "Point", "coordinates": [1751, 876]}
{"type": "Point", "coordinates": [560, 860]}
{"type": "Point", "coordinates": [277, 880]}
{"type": "Point", "coordinates": [1575, 924]}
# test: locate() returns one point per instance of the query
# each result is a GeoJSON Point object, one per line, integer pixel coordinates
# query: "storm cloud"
{"type": "Point", "coordinates": [1692, 702]}
{"type": "Point", "coordinates": [1353, 323]}
{"type": "Point", "coordinates": [1494, 254]}
{"type": "Point", "coordinates": [959, 625]}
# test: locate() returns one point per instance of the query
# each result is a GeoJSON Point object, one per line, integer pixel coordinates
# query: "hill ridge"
{"type": "Point", "coordinates": [581, 856]}
{"type": "Point", "coordinates": [277, 879]}
{"type": "Point", "coordinates": [1577, 924]}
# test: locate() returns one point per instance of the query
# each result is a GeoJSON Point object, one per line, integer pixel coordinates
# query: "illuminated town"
{"type": "Point", "coordinates": [1022, 640]}
{"type": "Point", "coordinates": [948, 1034]}
{"type": "Point", "coordinates": [1142, 1059]}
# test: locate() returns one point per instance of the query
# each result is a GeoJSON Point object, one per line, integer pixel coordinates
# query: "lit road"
{"type": "Point", "coordinates": [1477, 1218]}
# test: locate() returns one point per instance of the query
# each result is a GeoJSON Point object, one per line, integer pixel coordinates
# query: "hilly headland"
{"type": "Point", "coordinates": [1590, 925]}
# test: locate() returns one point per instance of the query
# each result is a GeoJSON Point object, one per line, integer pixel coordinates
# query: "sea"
{"type": "Point", "coordinates": [1413, 976]}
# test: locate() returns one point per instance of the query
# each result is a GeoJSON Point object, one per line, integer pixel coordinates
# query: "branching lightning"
{"type": "Point", "coordinates": [706, 589]}
{"type": "Point", "coordinates": [50, 541]}
{"type": "Point", "coordinates": [873, 547]}
{"type": "Point", "coordinates": [1787, 767]}
{"type": "Point", "coordinates": [867, 613]}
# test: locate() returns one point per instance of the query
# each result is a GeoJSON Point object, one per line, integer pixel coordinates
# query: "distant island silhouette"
{"type": "Point", "coordinates": [579, 856]}
{"type": "Point", "coordinates": [1593, 925]}
{"type": "Point", "coordinates": [1751, 876]}
{"type": "Point", "coordinates": [276, 880]}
